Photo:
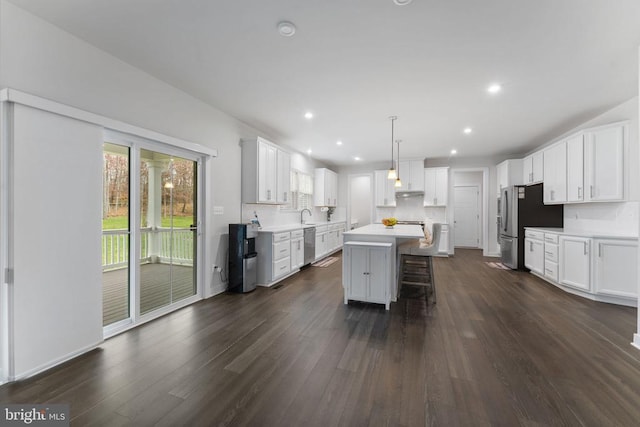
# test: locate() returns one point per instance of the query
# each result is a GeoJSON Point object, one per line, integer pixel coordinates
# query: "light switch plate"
{"type": "Point", "coordinates": [218, 210]}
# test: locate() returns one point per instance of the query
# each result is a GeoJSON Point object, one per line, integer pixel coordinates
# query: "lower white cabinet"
{"type": "Point", "coordinates": [575, 261]}
{"type": "Point", "coordinates": [297, 249]}
{"type": "Point", "coordinates": [615, 268]}
{"type": "Point", "coordinates": [534, 255]}
{"type": "Point", "coordinates": [365, 272]}
{"type": "Point", "coordinates": [274, 256]}
{"type": "Point", "coordinates": [322, 241]}
{"type": "Point", "coordinates": [443, 246]}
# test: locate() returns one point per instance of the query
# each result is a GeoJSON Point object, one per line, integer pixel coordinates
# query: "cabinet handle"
{"type": "Point", "coordinates": [328, 201]}
{"type": "Point", "coordinates": [283, 267]}
{"type": "Point", "coordinates": [285, 197]}
{"type": "Point", "coordinates": [385, 201]}
{"type": "Point", "coordinates": [531, 246]}
{"type": "Point", "coordinates": [553, 195]}
{"type": "Point", "coordinates": [591, 191]}
{"type": "Point", "coordinates": [530, 176]}
{"type": "Point", "coordinates": [549, 253]}
{"type": "Point", "coordinates": [283, 250]}
{"type": "Point", "coordinates": [579, 193]}
{"type": "Point", "coordinates": [409, 186]}
{"type": "Point", "coordinates": [599, 250]}
{"type": "Point", "coordinates": [585, 248]}
{"type": "Point", "coordinates": [298, 244]}
{"type": "Point", "coordinates": [435, 200]}
{"type": "Point", "coordinates": [366, 273]}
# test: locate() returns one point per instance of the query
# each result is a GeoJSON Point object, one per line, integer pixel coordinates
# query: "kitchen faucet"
{"type": "Point", "coordinates": [302, 212]}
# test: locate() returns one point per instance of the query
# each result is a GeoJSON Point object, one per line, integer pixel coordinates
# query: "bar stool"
{"type": "Point", "coordinates": [416, 261]}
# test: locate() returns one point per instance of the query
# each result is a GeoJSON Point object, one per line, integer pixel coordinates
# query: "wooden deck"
{"type": "Point", "coordinates": [155, 289]}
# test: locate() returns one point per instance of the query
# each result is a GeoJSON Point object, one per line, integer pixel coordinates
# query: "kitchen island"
{"type": "Point", "coordinates": [358, 255]}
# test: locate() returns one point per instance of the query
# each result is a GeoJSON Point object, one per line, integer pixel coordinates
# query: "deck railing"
{"type": "Point", "coordinates": [162, 245]}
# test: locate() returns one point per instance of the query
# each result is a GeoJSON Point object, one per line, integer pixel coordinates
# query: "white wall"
{"type": "Point", "coordinates": [38, 58]}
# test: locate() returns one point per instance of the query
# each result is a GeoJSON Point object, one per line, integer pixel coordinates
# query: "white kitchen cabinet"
{"type": "Point", "coordinates": [508, 173]}
{"type": "Point", "coordinates": [334, 236]}
{"type": "Point", "coordinates": [264, 168]}
{"type": "Point", "coordinates": [297, 249]}
{"type": "Point", "coordinates": [555, 174]}
{"type": "Point", "coordinates": [365, 272]}
{"type": "Point", "coordinates": [322, 241]}
{"type": "Point", "coordinates": [325, 188]}
{"type": "Point", "coordinates": [274, 256]}
{"type": "Point", "coordinates": [384, 191]}
{"type": "Point", "coordinates": [533, 168]}
{"type": "Point", "coordinates": [604, 163]}
{"type": "Point", "coordinates": [443, 246]}
{"type": "Point", "coordinates": [575, 262]}
{"type": "Point", "coordinates": [534, 255]}
{"type": "Point", "coordinates": [575, 168]}
{"type": "Point", "coordinates": [283, 177]}
{"type": "Point", "coordinates": [615, 268]}
{"type": "Point", "coordinates": [551, 257]}
{"type": "Point", "coordinates": [411, 175]}
{"type": "Point", "coordinates": [436, 186]}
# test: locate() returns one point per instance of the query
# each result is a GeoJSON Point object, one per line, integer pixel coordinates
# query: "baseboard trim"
{"type": "Point", "coordinates": [636, 341]}
{"type": "Point", "coordinates": [53, 363]}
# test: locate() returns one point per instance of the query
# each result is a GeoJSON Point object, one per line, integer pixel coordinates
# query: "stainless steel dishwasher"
{"type": "Point", "coordinates": [309, 245]}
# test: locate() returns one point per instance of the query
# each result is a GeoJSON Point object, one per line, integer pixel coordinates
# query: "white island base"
{"type": "Point", "coordinates": [369, 265]}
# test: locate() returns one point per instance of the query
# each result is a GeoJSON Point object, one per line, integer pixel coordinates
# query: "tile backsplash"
{"type": "Point", "coordinates": [412, 209]}
{"type": "Point", "coordinates": [617, 218]}
{"type": "Point", "coordinates": [272, 215]}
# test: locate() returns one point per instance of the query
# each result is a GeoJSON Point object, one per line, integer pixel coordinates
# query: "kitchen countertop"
{"type": "Point", "coordinates": [291, 227]}
{"type": "Point", "coordinates": [595, 235]}
{"type": "Point", "coordinates": [399, 230]}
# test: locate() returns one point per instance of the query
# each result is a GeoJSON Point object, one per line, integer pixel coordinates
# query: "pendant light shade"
{"type": "Point", "coordinates": [392, 172]}
{"type": "Point", "coordinates": [398, 182]}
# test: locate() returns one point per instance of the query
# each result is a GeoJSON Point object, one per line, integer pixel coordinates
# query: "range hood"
{"type": "Point", "coordinates": [406, 194]}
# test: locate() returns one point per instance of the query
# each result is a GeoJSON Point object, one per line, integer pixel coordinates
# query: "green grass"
{"type": "Point", "coordinates": [122, 222]}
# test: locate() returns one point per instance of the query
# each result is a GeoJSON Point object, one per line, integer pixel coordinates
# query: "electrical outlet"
{"type": "Point", "coordinates": [217, 269]}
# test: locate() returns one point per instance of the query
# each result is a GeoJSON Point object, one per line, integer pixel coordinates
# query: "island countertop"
{"type": "Point", "coordinates": [398, 231]}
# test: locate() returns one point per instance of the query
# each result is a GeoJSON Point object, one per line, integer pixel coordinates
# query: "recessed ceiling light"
{"type": "Point", "coordinates": [454, 152]}
{"type": "Point", "coordinates": [356, 158]}
{"type": "Point", "coordinates": [309, 151]}
{"type": "Point", "coordinates": [402, 2]}
{"type": "Point", "coordinates": [286, 28]}
{"type": "Point", "coordinates": [308, 115]}
{"type": "Point", "coordinates": [467, 130]}
{"type": "Point", "coordinates": [494, 88]}
{"type": "Point", "coordinates": [338, 142]}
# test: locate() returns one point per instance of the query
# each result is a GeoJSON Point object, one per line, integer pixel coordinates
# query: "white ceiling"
{"type": "Point", "coordinates": [354, 63]}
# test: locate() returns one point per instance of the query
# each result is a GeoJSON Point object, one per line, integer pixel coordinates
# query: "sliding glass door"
{"type": "Point", "coordinates": [116, 292]}
{"type": "Point", "coordinates": [151, 268]}
{"type": "Point", "coordinates": [168, 245]}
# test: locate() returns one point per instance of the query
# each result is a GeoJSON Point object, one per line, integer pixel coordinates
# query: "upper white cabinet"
{"type": "Point", "coordinates": [283, 177]}
{"type": "Point", "coordinates": [555, 174]}
{"type": "Point", "coordinates": [265, 172]}
{"type": "Point", "coordinates": [604, 163]}
{"type": "Point", "coordinates": [575, 168]}
{"type": "Point", "coordinates": [508, 173]}
{"type": "Point", "coordinates": [436, 186]}
{"type": "Point", "coordinates": [384, 190]}
{"type": "Point", "coordinates": [325, 188]}
{"type": "Point", "coordinates": [532, 168]}
{"type": "Point", "coordinates": [575, 262]}
{"type": "Point", "coordinates": [411, 175]}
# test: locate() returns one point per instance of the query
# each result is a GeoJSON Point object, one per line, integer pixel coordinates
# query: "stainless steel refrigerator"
{"type": "Point", "coordinates": [519, 207]}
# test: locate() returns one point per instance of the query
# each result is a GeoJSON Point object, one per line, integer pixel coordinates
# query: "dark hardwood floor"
{"type": "Point", "coordinates": [498, 348]}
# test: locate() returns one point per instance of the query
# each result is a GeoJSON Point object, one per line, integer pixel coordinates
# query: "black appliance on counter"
{"type": "Point", "coordinates": [522, 206]}
{"type": "Point", "coordinates": [243, 258]}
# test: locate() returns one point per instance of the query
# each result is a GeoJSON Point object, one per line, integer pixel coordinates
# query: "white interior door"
{"type": "Point", "coordinates": [466, 216]}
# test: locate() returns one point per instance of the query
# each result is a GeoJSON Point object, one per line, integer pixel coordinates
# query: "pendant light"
{"type": "Point", "coordinates": [392, 171]}
{"type": "Point", "coordinates": [398, 182]}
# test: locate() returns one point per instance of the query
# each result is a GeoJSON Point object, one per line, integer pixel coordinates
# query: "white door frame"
{"type": "Point", "coordinates": [480, 236]}
{"type": "Point", "coordinates": [371, 191]}
{"type": "Point", "coordinates": [485, 206]}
